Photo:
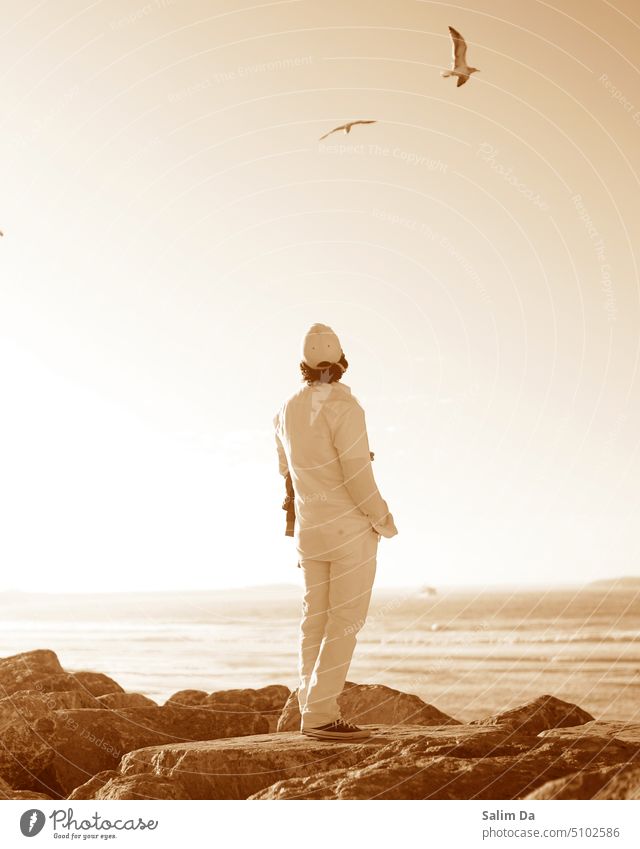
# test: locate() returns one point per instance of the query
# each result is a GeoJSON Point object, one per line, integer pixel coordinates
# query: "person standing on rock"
{"type": "Point", "coordinates": [322, 442]}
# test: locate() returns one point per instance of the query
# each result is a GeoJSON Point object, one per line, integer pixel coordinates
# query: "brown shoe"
{"type": "Point", "coordinates": [339, 730]}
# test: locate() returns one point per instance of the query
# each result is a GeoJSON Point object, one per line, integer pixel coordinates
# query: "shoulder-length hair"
{"type": "Point", "coordinates": [326, 372]}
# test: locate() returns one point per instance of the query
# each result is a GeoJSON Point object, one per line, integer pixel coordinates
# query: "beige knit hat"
{"type": "Point", "coordinates": [320, 345]}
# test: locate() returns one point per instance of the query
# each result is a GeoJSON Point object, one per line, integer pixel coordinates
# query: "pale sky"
{"type": "Point", "coordinates": [172, 226]}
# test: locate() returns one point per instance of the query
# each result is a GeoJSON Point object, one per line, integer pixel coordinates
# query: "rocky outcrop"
{"type": "Point", "coordinates": [78, 735]}
{"type": "Point", "coordinates": [97, 683]}
{"type": "Point", "coordinates": [90, 684]}
{"type": "Point", "coordinates": [502, 766]}
{"type": "Point", "coordinates": [534, 717]}
{"type": "Point", "coordinates": [210, 722]}
{"type": "Point", "coordinates": [268, 701]}
{"type": "Point", "coordinates": [27, 724]}
{"type": "Point", "coordinates": [24, 671]}
{"type": "Point", "coordinates": [237, 768]}
{"type": "Point", "coordinates": [113, 785]}
{"type": "Point", "coordinates": [90, 741]}
{"type": "Point", "coordinates": [187, 697]}
{"type": "Point", "coordinates": [399, 762]}
{"type": "Point", "coordinates": [40, 671]}
{"type": "Point", "coordinates": [121, 700]}
{"type": "Point", "coordinates": [621, 781]}
{"type": "Point", "coordinates": [7, 792]}
{"type": "Point", "coordinates": [628, 731]}
{"type": "Point", "coordinates": [67, 699]}
{"type": "Point", "coordinates": [59, 729]}
{"type": "Point", "coordinates": [367, 704]}
{"type": "Point", "coordinates": [271, 698]}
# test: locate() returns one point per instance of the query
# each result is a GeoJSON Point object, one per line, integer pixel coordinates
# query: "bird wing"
{"type": "Point", "coordinates": [459, 48]}
{"type": "Point", "coordinates": [335, 130]}
{"type": "Point", "coordinates": [362, 122]}
{"type": "Point", "coordinates": [462, 78]}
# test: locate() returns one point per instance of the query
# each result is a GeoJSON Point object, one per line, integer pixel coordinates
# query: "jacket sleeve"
{"type": "Point", "coordinates": [283, 466]}
{"type": "Point", "coordinates": [351, 442]}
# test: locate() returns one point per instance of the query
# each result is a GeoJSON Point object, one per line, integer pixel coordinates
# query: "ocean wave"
{"type": "Point", "coordinates": [475, 638]}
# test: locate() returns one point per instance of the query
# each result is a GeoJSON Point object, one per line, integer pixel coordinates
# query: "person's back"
{"type": "Point", "coordinates": [322, 443]}
{"type": "Point", "coordinates": [320, 427]}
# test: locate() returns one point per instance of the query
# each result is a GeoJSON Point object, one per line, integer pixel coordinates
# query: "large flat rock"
{"type": "Point", "coordinates": [397, 762]}
{"type": "Point", "coordinates": [239, 767]}
{"type": "Point", "coordinates": [236, 768]}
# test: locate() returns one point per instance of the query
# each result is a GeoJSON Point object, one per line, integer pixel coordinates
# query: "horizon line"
{"type": "Point", "coordinates": [422, 587]}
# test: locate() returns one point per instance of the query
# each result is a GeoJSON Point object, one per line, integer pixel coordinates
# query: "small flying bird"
{"type": "Point", "coordinates": [345, 127]}
{"type": "Point", "coordinates": [459, 67]}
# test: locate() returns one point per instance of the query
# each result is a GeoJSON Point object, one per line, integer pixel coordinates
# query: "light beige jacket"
{"type": "Point", "coordinates": [321, 438]}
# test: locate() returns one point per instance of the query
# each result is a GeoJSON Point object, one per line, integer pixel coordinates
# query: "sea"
{"type": "Point", "coordinates": [469, 652]}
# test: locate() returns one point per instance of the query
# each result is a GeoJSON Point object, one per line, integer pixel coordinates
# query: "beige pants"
{"type": "Point", "coordinates": [334, 608]}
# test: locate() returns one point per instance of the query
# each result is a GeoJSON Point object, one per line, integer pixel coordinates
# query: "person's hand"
{"type": "Point", "coordinates": [388, 529]}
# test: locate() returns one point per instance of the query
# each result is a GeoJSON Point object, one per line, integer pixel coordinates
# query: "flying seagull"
{"type": "Point", "coordinates": [459, 67]}
{"type": "Point", "coordinates": [345, 127]}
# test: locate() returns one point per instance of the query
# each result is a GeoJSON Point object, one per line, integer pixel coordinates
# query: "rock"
{"type": "Point", "coordinates": [119, 700]}
{"type": "Point", "coordinates": [90, 741]}
{"type": "Point", "coordinates": [235, 768]}
{"type": "Point", "coordinates": [621, 781]}
{"type": "Point", "coordinates": [187, 697]}
{"type": "Point", "coordinates": [190, 748]}
{"type": "Point", "coordinates": [187, 723]}
{"type": "Point", "coordinates": [80, 735]}
{"type": "Point", "coordinates": [23, 671]}
{"type": "Point", "coordinates": [40, 671]}
{"type": "Point", "coordinates": [269, 701]}
{"type": "Point", "coordinates": [373, 703]}
{"type": "Point", "coordinates": [628, 731]}
{"type": "Point", "coordinates": [418, 771]}
{"type": "Point", "coordinates": [26, 726]}
{"type": "Point", "coordinates": [30, 794]}
{"type": "Point", "coordinates": [7, 792]}
{"type": "Point", "coordinates": [5, 789]}
{"type": "Point", "coordinates": [238, 768]}
{"type": "Point", "coordinates": [113, 785]}
{"type": "Point", "coordinates": [89, 683]}
{"type": "Point", "coordinates": [264, 699]}
{"type": "Point", "coordinates": [622, 784]}
{"type": "Point", "coordinates": [69, 700]}
{"type": "Point", "coordinates": [97, 683]}
{"type": "Point", "coordinates": [538, 715]}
